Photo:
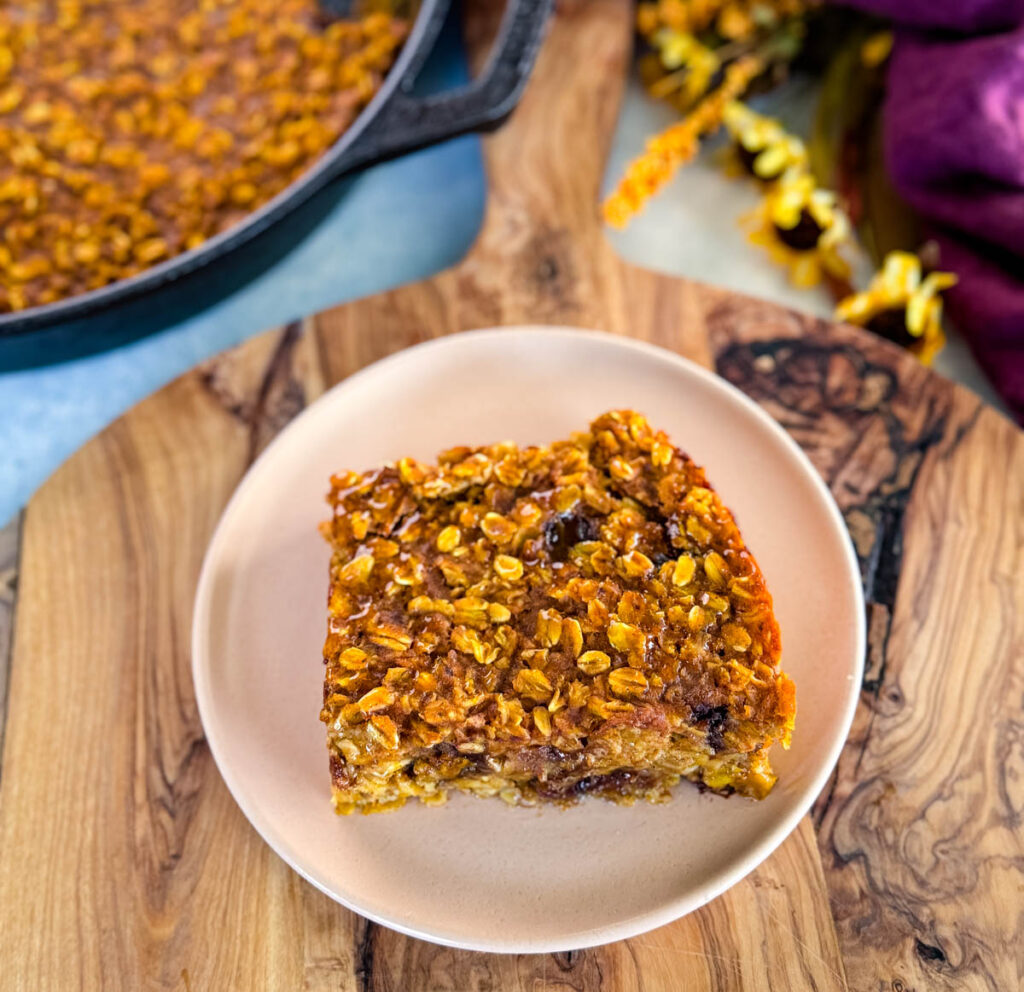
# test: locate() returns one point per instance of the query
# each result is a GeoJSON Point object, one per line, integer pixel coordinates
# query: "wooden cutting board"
{"type": "Point", "coordinates": [125, 864]}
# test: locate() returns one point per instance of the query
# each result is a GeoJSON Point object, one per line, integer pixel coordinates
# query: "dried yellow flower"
{"type": "Point", "coordinates": [902, 305]}
{"type": "Point", "coordinates": [803, 229]}
{"type": "Point", "coordinates": [675, 146]}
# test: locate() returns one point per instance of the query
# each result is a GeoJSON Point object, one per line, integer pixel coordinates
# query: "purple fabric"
{"type": "Point", "coordinates": [989, 304]}
{"type": "Point", "coordinates": [954, 132]}
{"type": "Point", "coordinates": [971, 16]}
{"type": "Point", "coordinates": [954, 141]}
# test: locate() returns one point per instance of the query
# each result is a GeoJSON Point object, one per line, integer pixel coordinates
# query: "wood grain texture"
{"type": "Point", "coordinates": [920, 828]}
{"type": "Point", "coordinates": [124, 863]}
{"type": "Point", "coordinates": [10, 546]}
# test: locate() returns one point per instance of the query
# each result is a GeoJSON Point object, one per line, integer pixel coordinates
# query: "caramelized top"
{"type": "Point", "coordinates": [540, 595]}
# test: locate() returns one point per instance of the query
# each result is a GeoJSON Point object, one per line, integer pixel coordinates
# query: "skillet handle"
{"type": "Point", "coordinates": [406, 122]}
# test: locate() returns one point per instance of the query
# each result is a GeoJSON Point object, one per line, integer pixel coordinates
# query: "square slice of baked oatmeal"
{"type": "Point", "coordinates": [538, 623]}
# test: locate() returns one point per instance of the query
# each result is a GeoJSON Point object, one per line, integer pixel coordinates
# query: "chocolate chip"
{"type": "Point", "coordinates": [716, 717]}
{"type": "Point", "coordinates": [562, 532]}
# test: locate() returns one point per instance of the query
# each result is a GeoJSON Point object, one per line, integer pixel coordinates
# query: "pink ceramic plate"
{"type": "Point", "coordinates": [476, 873]}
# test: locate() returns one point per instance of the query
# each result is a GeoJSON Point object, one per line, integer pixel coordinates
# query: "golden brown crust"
{"type": "Point", "coordinates": [541, 622]}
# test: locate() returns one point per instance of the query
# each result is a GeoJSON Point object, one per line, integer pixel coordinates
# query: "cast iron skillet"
{"type": "Point", "coordinates": [393, 123]}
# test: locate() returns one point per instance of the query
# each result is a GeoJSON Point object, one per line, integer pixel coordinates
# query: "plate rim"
{"type": "Point", "coordinates": [672, 909]}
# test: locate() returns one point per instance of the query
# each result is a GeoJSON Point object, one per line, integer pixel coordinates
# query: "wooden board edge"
{"type": "Point", "coordinates": [10, 554]}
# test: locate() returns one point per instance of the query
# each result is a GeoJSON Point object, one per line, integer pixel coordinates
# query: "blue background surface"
{"type": "Point", "coordinates": [395, 223]}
